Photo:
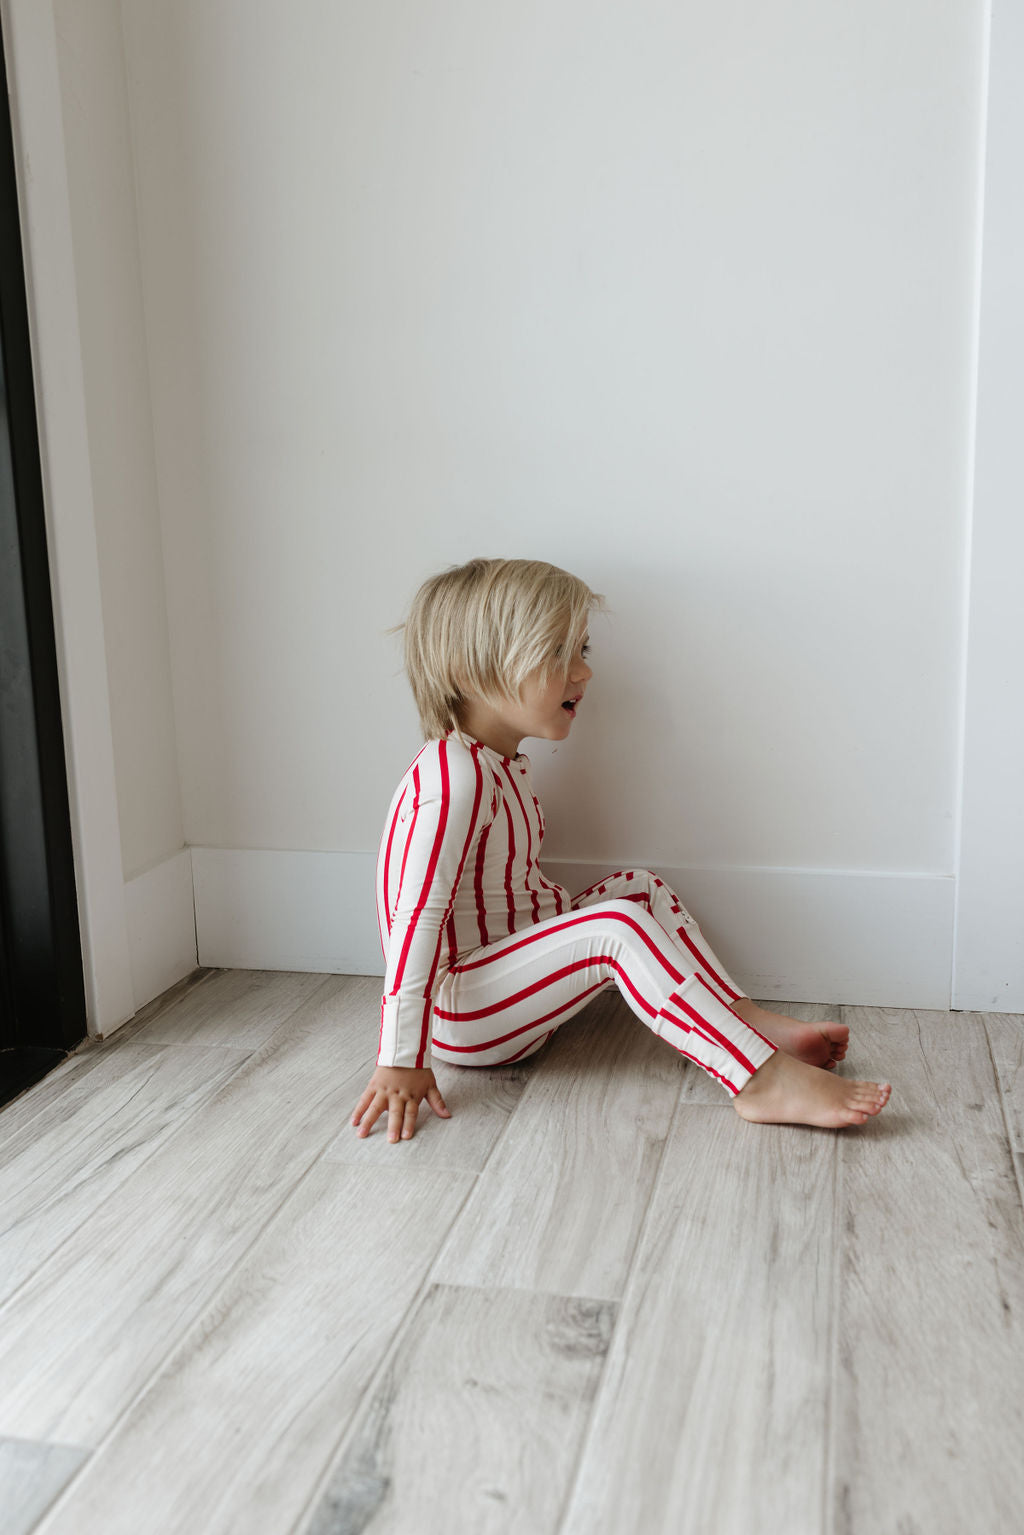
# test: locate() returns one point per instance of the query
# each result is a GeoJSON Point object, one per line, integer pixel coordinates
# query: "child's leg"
{"type": "Point", "coordinates": [822, 1043]}
{"type": "Point", "coordinates": [652, 894]}
{"type": "Point", "coordinates": [501, 1002]}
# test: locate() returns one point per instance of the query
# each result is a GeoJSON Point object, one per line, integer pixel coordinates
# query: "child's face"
{"type": "Point", "coordinates": [546, 711]}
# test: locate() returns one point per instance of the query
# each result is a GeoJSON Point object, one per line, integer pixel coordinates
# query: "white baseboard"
{"type": "Point", "coordinates": [160, 915]}
{"type": "Point", "coordinates": [794, 935]}
{"type": "Point", "coordinates": [259, 910]}
{"type": "Point", "coordinates": [818, 935]}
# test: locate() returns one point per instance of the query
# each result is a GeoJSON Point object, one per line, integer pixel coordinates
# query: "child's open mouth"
{"type": "Point", "coordinates": [570, 705]}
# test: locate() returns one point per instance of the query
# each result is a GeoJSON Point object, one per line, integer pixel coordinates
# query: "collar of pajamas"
{"type": "Point", "coordinates": [485, 956]}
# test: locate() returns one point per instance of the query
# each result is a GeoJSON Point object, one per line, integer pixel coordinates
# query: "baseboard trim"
{"type": "Point", "coordinates": [796, 935]}
{"type": "Point", "coordinates": [160, 915]}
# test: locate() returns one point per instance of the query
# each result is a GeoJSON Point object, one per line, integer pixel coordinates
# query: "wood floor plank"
{"type": "Point", "coordinates": [57, 1172]}
{"type": "Point", "coordinates": [476, 1425]}
{"type": "Point", "coordinates": [238, 1008]}
{"type": "Point", "coordinates": [699, 1088]}
{"type": "Point", "coordinates": [1005, 1032]}
{"type": "Point", "coordinates": [255, 1400]}
{"type": "Point", "coordinates": [711, 1410]}
{"type": "Point", "coordinates": [929, 1409]}
{"type": "Point", "coordinates": [559, 1205]}
{"type": "Point", "coordinates": [32, 1476]}
{"type": "Point", "coordinates": [481, 1099]}
{"type": "Point", "coordinates": [100, 1316]}
{"type": "Point", "coordinates": [87, 1055]}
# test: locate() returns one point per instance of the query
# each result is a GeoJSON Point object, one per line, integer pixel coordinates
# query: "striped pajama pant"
{"type": "Point", "coordinates": [502, 1002]}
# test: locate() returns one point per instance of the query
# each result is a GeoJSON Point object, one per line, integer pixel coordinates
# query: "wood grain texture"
{"type": "Point", "coordinates": [248, 1411]}
{"type": "Point", "coordinates": [238, 1008]}
{"type": "Point", "coordinates": [88, 1054]}
{"type": "Point", "coordinates": [32, 1476]}
{"type": "Point", "coordinates": [1005, 1034]}
{"type": "Point", "coordinates": [929, 1408]}
{"type": "Point", "coordinates": [102, 1313]}
{"type": "Point", "coordinates": [207, 1326]}
{"type": "Point", "coordinates": [57, 1172]}
{"type": "Point", "coordinates": [711, 1410]}
{"type": "Point", "coordinates": [510, 1377]}
{"type": "Point", "coordinates": [481, 1099]}
{"type": "Point", "coordinates": [560, 1203]}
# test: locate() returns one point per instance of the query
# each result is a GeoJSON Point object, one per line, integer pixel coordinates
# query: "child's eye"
{"type": "Point", "coordinates": [584, 650]}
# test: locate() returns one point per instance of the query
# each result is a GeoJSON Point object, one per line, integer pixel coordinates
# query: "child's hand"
{"type": "Point", "coordinates": [399, 1089]}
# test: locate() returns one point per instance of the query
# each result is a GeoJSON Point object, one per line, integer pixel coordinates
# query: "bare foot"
{"type": "Point", "coordinates": [788, 1092]}
{"type": "Point", "coordinates": [819, 1044]}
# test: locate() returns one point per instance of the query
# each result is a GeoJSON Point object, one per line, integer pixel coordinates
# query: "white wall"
{"type": "Point", "coordinates": [681, 297]}
{"type": "Point", "coordinates": [120, 428]}
{"type": "Point", "coordinates": [73, 155]}
{"type": "Point", "coordinates": [989, 972]}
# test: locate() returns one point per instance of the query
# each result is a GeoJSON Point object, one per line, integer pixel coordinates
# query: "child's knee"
{"type": "Point", "coordinates": [628, 920]}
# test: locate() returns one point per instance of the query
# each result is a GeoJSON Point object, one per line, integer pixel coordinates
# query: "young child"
{"type": "Point", "coordinates": [485, 955]}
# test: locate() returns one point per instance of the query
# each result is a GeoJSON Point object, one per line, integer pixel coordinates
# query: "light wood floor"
{"type": "Point", "coordinates": [595, 1300]}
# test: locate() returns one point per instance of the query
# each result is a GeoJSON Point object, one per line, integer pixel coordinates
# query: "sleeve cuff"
{"type": "Point", "coordinates": [404, 1041]}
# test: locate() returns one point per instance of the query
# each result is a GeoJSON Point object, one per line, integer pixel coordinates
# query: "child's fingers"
{"type": "Point", "coordinates": [363, 1105]}
{"type": "Point", "coordinates": [409, 1122]}
{"type": "Point", "coordinates": [372, 1114]}
{"type": "Point", "coordinates": [437, 1103]}
{"type": "Point", "coordinates": [396, 1114]}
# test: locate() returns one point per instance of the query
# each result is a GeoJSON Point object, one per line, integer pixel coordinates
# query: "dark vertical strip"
{"type": "Point", "coordinates": [42, 993]}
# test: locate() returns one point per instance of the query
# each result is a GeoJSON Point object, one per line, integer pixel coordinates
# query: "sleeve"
{"type": "Point", "coordinates": [447, 814]}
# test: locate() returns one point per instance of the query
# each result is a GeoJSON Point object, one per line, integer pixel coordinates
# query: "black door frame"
{"type": "Point", "coordinates": [42, 991]}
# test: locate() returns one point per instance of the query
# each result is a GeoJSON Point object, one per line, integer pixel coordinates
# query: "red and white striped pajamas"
{"type": "Point", "coordinates": [486, 956]}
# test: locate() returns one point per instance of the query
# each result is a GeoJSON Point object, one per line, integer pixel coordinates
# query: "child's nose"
{"type": "Point", "coordinates": [581, 671]}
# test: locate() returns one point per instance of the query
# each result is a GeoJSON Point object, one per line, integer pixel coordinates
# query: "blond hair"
{"type": "Point", "coordinates": [483, 628]}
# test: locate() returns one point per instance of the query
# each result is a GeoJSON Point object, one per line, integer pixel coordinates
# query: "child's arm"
{"type": "Point", "coordinates": [453, 800]}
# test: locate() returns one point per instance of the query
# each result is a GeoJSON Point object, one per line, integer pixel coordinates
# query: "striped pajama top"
{"type": "Point", "coordinates": [457, 869]}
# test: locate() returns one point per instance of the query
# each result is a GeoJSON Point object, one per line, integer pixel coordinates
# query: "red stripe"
{"type": "Point", "coordinates": [726, 1044]}
{"type": "Point", "coordinates": [725, 1000]}
{"type": "Point", "coordinates": [534, 1023]}
{"type": "Point", "coordinates": [552, 889]}
{"type": "Point", "coordinates": [704, 965]}
{"type": "Point", "coordinates": [548, 884]}
{"type": "Point", "coordinates": [549, 980]}
{"type": "Point", "coordinates": [408, 835]}
{"type": "Point", "coordinates": [529, 1045]}
{"type": "Point", "coordinates": [744, 1022]}
{"type": "Point", "coordinates": [428, 991]}
{"type": "Point", "coordinates": [387, 857]}
{"type": "Point", "coordinates": [689, 1028]}
{"type": "Point", "coordinates": [545, 930]}
{"type": "Point", "coordinates": [435, 851]}
{"type": "Point", "coordinates": [709, 1069]}
{"type": "Point", "coordinates": [529, 844]}
{"type": "Point", "coordinates": [735, 1014]}
{"type": "Point", "coordinates": [509, 896]}
{"type": "Point", "coordinates": [478, 885]}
